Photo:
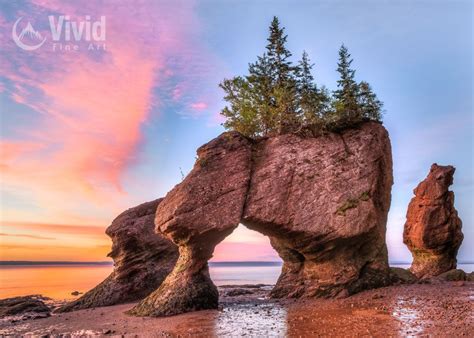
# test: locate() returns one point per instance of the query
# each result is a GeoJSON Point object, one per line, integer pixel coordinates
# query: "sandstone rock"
{"type": "Point", "coordinates": [402, 276]}
{"type": "Point", "coordinates": [25, 305]}
{"type": "Point", "coordinates": [196, 215]}
{"type": "Point", "coordinates": [239, 292]}
{"type": "Point", "coordinates": [323, 201]}
{"type": "Point", "coordinates": [453, 275]}
{"type": "Point", "coordinates": [470, 277]}
{"type": "Point", "coordinates": [141, 257]}
{"type": "Point", "coordinates": [433, 229]}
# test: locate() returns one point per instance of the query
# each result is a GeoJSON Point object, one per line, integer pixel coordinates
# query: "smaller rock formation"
{"type": "Point", "coordinates": [142, 260]}
{"type": "Point", "coordinates": [433, 229]}
{"type": "Point", "coordinates": [402, 276]}
{"type": "Point", "coordinates": [28, 307]}
{"type": "Point", "coordinates": [453, 275]}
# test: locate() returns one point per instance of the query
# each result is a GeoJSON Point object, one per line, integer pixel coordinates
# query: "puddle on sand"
{"type": "Point", "coordinates": [409, 317]}
{"type": "Point", "coordinates": [251, 320]}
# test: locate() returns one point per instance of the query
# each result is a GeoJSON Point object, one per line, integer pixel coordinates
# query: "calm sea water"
{"type": "Point", "coordinates": [60, 280]}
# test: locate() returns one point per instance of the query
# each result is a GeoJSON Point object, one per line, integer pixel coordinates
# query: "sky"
{"type": "Point", "coordinates": [87, 131]}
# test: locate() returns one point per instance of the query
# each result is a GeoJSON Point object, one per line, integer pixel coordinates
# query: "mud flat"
{"type": "Point", "coordinates": [442, 309]}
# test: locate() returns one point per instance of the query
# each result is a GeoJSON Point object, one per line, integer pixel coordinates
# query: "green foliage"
{"type": "Point", "coordinates": [314, 103]}
{"type": "Point", "coordinates": [346, 108]}
{"type": "Point", "coordinates": [370, 106]}
{"type": "Point", "coordinates": [352, 203]}
{"type": "Point", "coordinates": [277, 97]}
{"type": "Point", "coordinates": [365, 196]}
{"type": "Point", "coordinates": [349, 204]}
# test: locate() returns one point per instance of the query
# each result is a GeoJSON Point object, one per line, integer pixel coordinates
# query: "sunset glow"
{"type": "Point", "coordinates": [87, 134]}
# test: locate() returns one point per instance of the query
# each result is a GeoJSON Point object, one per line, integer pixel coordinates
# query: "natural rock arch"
{"type": "Point", "coordinates": [245, 245]}
{"type": "Point", "coordinates": [322, 201]}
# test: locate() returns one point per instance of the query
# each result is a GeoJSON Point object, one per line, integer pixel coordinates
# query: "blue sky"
{"type": "Point", "coordinates": [417, 55]}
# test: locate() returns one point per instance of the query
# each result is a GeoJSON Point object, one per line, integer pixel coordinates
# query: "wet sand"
{"type": "Point", "coordinates": [445, 309]}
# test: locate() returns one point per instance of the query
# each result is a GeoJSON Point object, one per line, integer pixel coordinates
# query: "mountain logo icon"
{"type": "Point", "coordinates": [27, 32]}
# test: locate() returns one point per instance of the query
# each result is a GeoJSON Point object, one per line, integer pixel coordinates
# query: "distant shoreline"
{"type": "Point", "coordinates": [25, 263]}
{"type": "Point", "coordinates": [214, 264]}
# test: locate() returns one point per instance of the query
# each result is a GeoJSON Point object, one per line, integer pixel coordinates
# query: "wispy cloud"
{"type": "Point", "coordinates": [56, 228]}
{"type": "Point", "coordinates": [90, 105]}
{"type": "Point", "coordinates": [26, 236]}
{"type": "Point", "coordinates": [199, 105]}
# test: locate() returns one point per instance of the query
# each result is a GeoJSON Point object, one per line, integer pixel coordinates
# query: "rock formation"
{"type": "Point", "coordinates": [196, 215]}
{"type": "Point", "coordinates": [141, 257]}
{"type": "Point", "coordinates": [27, 307]}
{"type": "Point", "coordinates": [433, 229]}
{"type": "Point", "coordinates": [323, 201]}
{"type": "Point", "coordinates": [401, 276]}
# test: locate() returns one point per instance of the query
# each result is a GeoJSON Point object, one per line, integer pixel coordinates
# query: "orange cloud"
{"type": "Point", "coordinates": [25, 236]}
{"type": "Point", "coordinates": [41, 242]}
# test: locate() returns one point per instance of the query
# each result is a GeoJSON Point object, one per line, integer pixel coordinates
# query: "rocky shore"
{"type": "Point", "coordinates": [431, 308]}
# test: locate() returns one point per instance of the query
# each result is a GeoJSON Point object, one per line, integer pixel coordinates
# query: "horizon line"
{"type": "Point", "coordinates": [28, 262]}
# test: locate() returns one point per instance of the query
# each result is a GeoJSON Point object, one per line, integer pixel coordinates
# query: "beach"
{"type": "Point", "coordinates": [444, 309]}
{"type": "Point", "coordinates": [428, 308]}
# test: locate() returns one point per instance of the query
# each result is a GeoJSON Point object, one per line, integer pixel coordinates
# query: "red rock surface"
{"type": "Point", "coordinates": [141, 257]}
{"type": "Point", "coordinates": [196, 215]}
{"type": "Point", "coordinates": [433, 229]}
{"type": "Point", "coordinates": [323, 201]}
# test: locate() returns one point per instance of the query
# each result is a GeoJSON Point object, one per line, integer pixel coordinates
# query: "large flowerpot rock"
{"type": "Point", "coordinates": [323, 201]}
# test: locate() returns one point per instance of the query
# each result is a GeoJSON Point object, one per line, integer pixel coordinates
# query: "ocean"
{"type": "Point", "coordinates": [59, 280]}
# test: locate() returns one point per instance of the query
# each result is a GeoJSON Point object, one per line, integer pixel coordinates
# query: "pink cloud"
{"type": "Point", "coordinates": [91, 104]}
{"type": "Point", "coordinates": [228, 251]}
{"type": "Point", "coordinates": [177, 92]}
{"type": "Point", "coordinates": [199, 106]}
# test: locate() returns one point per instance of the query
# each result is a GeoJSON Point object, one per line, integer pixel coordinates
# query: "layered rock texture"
{"type": "Point", "coordinates": [433, 229]}
{"type": "Point", "coordinates": [32, 306]}
{"type": "Point", "coordinates": [196, 215]}
{"type": "Point", "coordinates": [323, 201]}
{"type": "Point", "coordinates": [141, 257]}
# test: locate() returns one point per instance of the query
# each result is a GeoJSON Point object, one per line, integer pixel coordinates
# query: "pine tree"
{"type": "Point", "coordinates": [345, 97]}
{"type": "Point", "coordinates": [370, 105]}
{"type": "Point", "coordinates": [241, 115]}
{"type": "Point", "coordinates": [261, 83]}
{"type": "Point", "coordinates": [277, 97]}
{"type": "Point", "coordinates": [313, 102]}
{"type": "Point", "coordinates": [283, 73]}
{"type": "Point", "coordinates": [307, 90]}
